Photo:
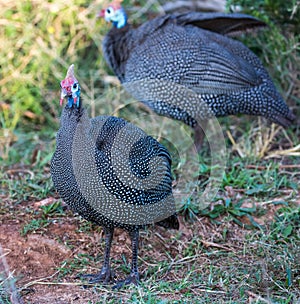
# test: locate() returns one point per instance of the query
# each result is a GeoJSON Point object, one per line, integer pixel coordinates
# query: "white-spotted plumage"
{"type": "Point", "coordinates": [193, 51]}
{"type": "Point", "coordinates": [111, 173]}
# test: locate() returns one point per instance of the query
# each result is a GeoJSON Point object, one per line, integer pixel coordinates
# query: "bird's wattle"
{"type": "Point", "coordinates": [120, 18]}
{"type": "Point", "coordinates": [73, 99]}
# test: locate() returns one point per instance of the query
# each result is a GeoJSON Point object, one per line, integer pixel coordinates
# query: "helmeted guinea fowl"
{"type": "Point", "coordinates": [192, 50]}
{"type": "Point", "coordinates": [111, 173]}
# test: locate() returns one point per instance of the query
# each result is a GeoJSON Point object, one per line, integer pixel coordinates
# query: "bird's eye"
{"type": "Point", "coordinates": [109, 11]}
{"type": "Point", "coordinates": [75, 87]}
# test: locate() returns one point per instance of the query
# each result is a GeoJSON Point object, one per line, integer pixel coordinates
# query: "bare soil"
{"type": "Point", "coordinates": [37, 259]}
{"type": "Point", "coordinates": [34, 260]}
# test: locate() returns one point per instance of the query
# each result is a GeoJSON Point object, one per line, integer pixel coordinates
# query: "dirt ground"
{"type": "Point", "coordinates": [36, 260]}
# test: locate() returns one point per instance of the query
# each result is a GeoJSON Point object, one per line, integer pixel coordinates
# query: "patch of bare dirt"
{"type": "Point", "coordinates": [34, 260]}
{"type": "Point", "coordinates": [32, 256]}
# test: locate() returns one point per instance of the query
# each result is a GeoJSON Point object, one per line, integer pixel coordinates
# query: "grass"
{"type": "Point", "coordinates": [229, 255]}
{"type": "Point", "coordinates": [223, 272]}
{"type": "Point", "coordinates": [230, 272]}
{"type": "Point", "coordinates": [241, 247]}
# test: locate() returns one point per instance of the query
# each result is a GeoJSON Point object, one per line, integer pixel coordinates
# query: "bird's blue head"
{"type": "Point", "coordinates": [70, 89]}
{"type": "Point", "coordinates": [114, 13]}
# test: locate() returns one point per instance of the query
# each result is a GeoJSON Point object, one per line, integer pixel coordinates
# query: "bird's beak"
{"type": "Point", "coordinates": [101, 14]}
{"type": "Point", "coordinates": [63, 95]}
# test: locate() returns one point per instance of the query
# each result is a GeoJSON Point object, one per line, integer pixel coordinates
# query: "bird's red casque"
{"type": "Point", "coordinates": [114, 4]}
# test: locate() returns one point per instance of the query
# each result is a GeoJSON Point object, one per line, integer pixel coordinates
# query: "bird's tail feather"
{"type": "Point", "coordinates": [170, 223]}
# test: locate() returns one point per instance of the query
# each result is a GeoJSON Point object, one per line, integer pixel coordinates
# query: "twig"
{"type": "Point", "coordinates": [210, 244]}
{"type": "Point", "coordinates": [12, 171]}
{"type": "Point", "coordinates": [163, 240]}
{"type": "Point", "coordinates": [295, 151]}
{"type": "Point", "coordinates": [267, 140]}
{"type": "Point", "coordinates": [38, 281]}
{"type": "Point", "coordinates": [287, 137]}
{"type": "Point", "coordinates": [14, 295]}
{"type": "Point", "coordinates": [257, 297]}
{"type": "Point", "coordinates": [209, 291]}
{"type": "Point", "coordinates": [107, 79]}
{"type": "Point", "coordinates": [264, 167]}
{"type": "Point", "coordinates": [235, 145]}
{"type": "Point", "coordinates": [185, 259]}
{"type": "Point", "coordinates": [121, 106]}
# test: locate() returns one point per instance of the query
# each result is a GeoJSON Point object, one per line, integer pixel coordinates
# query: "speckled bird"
{"type": "Point", "coordinates": [192, 50]}
{"type": "Point", "coordinates": [111, 173]}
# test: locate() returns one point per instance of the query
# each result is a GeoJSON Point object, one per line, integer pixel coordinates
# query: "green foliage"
{"type": "Point", "coordinates": [285, 13]}
{"type": "Point", "coordinates": [51, 209]}
{"type": "Point", "coordinates": [233, 211]}
{"type": "Point", "coordinates": [257, 184]}
{"type": "Point", "coordinates": [75, 265]}
{"type": "Point", "coordinates": [286, 226]}
{"type": "Point", "coordinates": [43, 218]}
{"type": "Point", "coordinates": [31, 179]}
{"type": "Point", "coordinates": [8, 290]}
{"type": "Point", "coordinates": [189, 209]}
{"type": "Point", "coordinates": [279, 44]}
{"type": "Point", "coordinates": [34, 225]}
{"type": "Point", "coordinates": [39, 40]}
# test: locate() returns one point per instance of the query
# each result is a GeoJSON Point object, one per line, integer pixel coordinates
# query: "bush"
{"type": "Point", "coordinates": [278, 46]}
{"type": "Point", "coordinates": [39, 40]}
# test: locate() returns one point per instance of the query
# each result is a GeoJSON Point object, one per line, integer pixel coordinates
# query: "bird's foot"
{"type": "Point", "coordinates": [105, 276]}
{"type": "Point", "coordinates": [133, 278]}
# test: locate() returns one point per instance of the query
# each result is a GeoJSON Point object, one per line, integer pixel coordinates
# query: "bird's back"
{"type": "Point", "coordinates": [223, 72]}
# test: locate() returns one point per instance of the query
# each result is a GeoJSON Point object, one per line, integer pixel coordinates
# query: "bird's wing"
{"type": "Point", "coordinates": [216, 71]}
{"type": "Point", "coordinates": [129, 156]}
{"type": "Point", "coordinates": [225, 24]}
{"type": "Point", "coordinates": [198, 62]}
{"type": "Point", "coordinates": [146, 151]}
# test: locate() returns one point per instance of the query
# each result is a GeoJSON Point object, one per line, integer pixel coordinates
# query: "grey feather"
{"type": "Point", "coordinates": [193, 51]}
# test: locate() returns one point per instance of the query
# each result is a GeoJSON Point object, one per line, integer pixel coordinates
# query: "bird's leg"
{"type": "Point", "coordinates": [106, 272]}
{"type": "Point", "coordinates": [199, 135]}
{"type": "Point", "coordinates": [105, 275]}
{"type": "Point", "coordinates": [133, 278]}
{"type": "Point", "coordinates": [134, 274]}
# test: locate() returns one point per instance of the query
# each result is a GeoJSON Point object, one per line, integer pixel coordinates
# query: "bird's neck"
{"type": "Point", "coordinates": [121, 19]}
{"type": "Point", "coordinates": [117, 46]}
{"type": "Point", "coordinates": [71, 150]}
{"type": "Point", "coordinates": [73, 119]}
{"type": "Point", "coordinates": [72, 113]}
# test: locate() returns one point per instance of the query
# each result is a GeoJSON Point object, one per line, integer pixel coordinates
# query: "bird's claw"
{"type": "Point", "coordinates": [133, 278]}
{"type": "Point", "coordinates": [104, 277]}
